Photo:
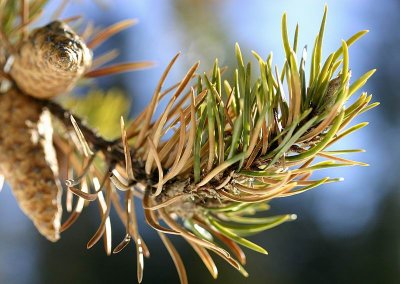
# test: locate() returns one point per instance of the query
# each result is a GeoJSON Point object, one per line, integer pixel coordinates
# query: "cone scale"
{"type": "Point", "coordinates": [28, 161]}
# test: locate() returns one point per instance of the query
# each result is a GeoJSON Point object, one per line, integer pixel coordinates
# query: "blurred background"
{"type": "Point", "coordinates": [345, 233]}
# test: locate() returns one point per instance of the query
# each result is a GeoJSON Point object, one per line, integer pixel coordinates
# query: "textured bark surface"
{"type": "Point", "coordinates": [28, 161]}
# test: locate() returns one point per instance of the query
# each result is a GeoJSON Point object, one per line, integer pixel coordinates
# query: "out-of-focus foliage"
{"type": "Point", "coordinates": [10, 10]}
{"type": "Point", "coordinates": [102, 110]}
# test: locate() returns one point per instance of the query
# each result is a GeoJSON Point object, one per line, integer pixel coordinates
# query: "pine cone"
{"type": "Point", "coordinates": [51, 61]}
{"type": "Point", "coordinates": [28, 160]}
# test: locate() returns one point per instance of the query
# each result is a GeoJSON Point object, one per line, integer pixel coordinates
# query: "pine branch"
{"type": "Point", "coordinates": [220, 151]}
